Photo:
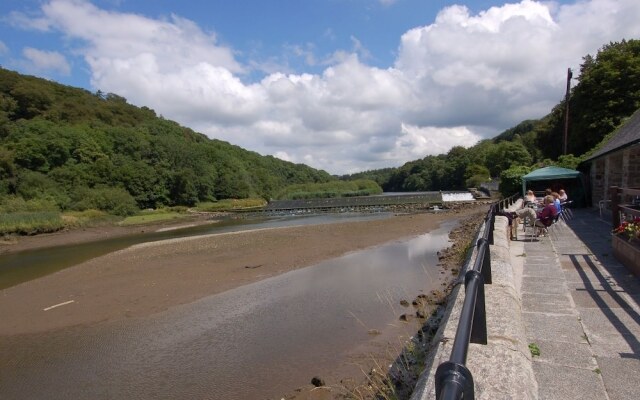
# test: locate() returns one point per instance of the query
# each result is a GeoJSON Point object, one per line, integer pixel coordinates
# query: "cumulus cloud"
{"type": "Point", "coordinates": [42, 60]}
{"type": "Point", "coordinates": [455, 79]}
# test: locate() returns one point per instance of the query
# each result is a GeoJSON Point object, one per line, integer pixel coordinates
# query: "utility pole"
{"type": "Point", "coordinates": [566, 110]}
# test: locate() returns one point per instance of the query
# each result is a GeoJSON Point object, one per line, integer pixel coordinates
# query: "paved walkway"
{"type": "Point", "coordinates": [581, 309]}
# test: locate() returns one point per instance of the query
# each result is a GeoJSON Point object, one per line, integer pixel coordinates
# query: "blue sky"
{"type": "Point", "coordinates": [342, 85]}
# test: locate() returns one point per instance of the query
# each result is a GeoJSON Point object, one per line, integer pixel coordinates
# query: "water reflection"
{"type": "Point", "coordinates": [254, 342]}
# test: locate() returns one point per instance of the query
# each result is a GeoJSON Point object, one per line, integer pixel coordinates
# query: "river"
{"type": "Point", "coordinates": [258, 341]}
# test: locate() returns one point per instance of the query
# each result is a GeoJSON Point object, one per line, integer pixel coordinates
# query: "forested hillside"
{"type": "Point", "coordinates": [607, 92]}
{"type": "Point", "coordinates": [64, 148]}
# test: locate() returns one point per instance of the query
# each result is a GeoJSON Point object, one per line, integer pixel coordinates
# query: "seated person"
{"type": "Point", "coordinates": [548, 213]}
{"type": "Point", "coordinates": [563, 195]}
{"type": "Point", "coordinates": [529, 197]}
{"type": "Point", "coordinates": [527, 214]}
{"type": "Point", "coordinates": [556, 201]}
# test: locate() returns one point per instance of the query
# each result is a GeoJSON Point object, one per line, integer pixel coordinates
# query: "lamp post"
{"type": "Point", "coordinates": [566, 110]}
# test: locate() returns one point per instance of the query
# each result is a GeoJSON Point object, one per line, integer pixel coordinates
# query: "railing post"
{"type": "Point", "coordinates": [453, 382]}
{"type": "Point", "coordinates": [486, 261]}
{"type": "Point", "coordinates": [489, 225]}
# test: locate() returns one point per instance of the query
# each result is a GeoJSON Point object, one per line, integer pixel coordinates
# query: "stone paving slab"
{"type": "Point", "coordinates": [611, 321]}
{"type": "Point", "coordinates": [541, 302]}
{"type": "Point", "coordinates": [602, 299]}
{"type": "Point", "coordinates": [543, 271]}
{"type": "Point", "coordinates": [560, 327]}
{"type": "Point", "coordinates": [587, 277]}
{"type": "Point", "coordinates": [576, 355]}
{"type": "Point", "coordinates": [618, 345]}
{"type": "Point", "coordinates": [576, 383]}
{"type": "Point", "coordinates": [543, 285]}
{"type": "Point", "coordinates": [615, 285]}
{"type": "Point", "coordinates": [620, 377]}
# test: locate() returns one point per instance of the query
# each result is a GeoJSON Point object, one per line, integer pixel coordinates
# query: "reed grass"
{"type": "Point", "coordinates": [230, 205]}
{"type": "Point", "coordinates": [92, 217]}
{"type": "Point", "coordinates": [149, 217]}
{"type": "Point", "coordinates": [31, 223]}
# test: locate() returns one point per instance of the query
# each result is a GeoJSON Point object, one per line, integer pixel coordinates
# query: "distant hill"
{"type": "Point", "coordinates": [68, 148]}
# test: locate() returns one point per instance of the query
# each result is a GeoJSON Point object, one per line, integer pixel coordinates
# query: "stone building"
{"type": "Point", "coordinates": [617, 162]}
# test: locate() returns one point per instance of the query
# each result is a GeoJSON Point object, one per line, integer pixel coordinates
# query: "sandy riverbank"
{"type": "Point", "coordinates": [149, 278]}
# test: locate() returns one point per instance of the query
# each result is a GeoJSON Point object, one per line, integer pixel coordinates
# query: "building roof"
{"type": "Point", "coordinates": [626, 135]}
{"type": "Point", "coordinates": [550, 173]}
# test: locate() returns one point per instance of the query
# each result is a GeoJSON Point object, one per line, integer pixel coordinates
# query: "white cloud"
{"type": "Point", "coordinates": [3, 48]}
{"type": "Point", "coordinates": [421, 141]}
{"type": "Point", "coordinates": [42, 60]}
{"type": "Point", "coordinates": [178, 43]}
{"type": "Point", "coordinates": [460, 77]}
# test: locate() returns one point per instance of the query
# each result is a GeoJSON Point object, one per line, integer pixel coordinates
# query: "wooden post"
{"type": "Point", "coordinates": [566, 112]}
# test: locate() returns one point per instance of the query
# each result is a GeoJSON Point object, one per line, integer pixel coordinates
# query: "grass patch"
{"type": "Point", "coordinates": [150, 217]}
{"type": "Point", "coordinates": [77, 219]}
{"type": "Point", "coordinates": [230, 205]}
{"type": "Point", "coordinates": [534, 349]}
{"type": "Point", "coordinates": [31, 223]}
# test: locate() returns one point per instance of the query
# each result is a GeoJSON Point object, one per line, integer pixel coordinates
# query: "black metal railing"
{"type": "Point", "coordinates": [453, 379]}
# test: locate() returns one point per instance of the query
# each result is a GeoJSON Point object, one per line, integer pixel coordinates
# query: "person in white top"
{"type": "Point", "coordinates": [563, 195]}
{"type": "Point", "coordinates": [529, 197]}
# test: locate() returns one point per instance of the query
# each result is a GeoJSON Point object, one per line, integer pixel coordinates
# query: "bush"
{"type": "Point", "coordinates": [230, 204]}
{"type": "Point", "coordinates": [89, 217]}
{"type": "Point", "coordinates": [30, 223]}
{"type": "Point", "coordinates": [115, 201]}
{"type": "Point", "coordinates": [14, 204]}
{"type": "Point", "coordinates": [511, 180]}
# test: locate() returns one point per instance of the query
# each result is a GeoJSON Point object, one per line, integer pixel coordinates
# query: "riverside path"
{"type": "Point", "coordinates": [580, 309]}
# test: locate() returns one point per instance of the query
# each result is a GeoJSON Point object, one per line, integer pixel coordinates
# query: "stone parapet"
{"type": "Point", "coordinates": [501, 369]}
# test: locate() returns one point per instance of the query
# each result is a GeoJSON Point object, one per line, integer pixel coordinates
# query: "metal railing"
{"type": "Point", "coordinates": [453, 379]}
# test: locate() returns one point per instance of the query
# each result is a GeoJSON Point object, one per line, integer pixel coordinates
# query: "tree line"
{"type": "Point", "coordinates": [607, 92]}
{"type": "Point", "coordinates": [64, 148]}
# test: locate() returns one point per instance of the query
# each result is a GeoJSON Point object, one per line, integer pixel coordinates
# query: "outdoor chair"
{"type": "Point", "coordinates": [604, 205]}
{"type": "Point", "coordinates": [566, 210]}
{"type": "Point", "coordinates": [533, 230]}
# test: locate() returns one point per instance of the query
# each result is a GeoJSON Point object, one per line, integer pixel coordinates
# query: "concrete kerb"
{"type": "Point", "coordinates": [502, 368]}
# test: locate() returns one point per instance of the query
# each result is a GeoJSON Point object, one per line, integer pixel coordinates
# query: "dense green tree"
{"type": "Point", "coordinates": [506, 154]}
{"type": "Point", "coordinates": [608, 91]}
{"type": "Point", "coordinates": [475, 175]}
{"type": "Point", "coordinates": [113, 200]}
{"type": "Point", "coordinates": [81, 150]}
{"type": "Point", "coordinates": [511, 180]}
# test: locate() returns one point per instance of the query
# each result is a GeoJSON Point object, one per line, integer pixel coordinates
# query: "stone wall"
{"type": "Point", "coordinates": [621, 168]}
{"type": "Point", "coordinates": [502, 369]}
